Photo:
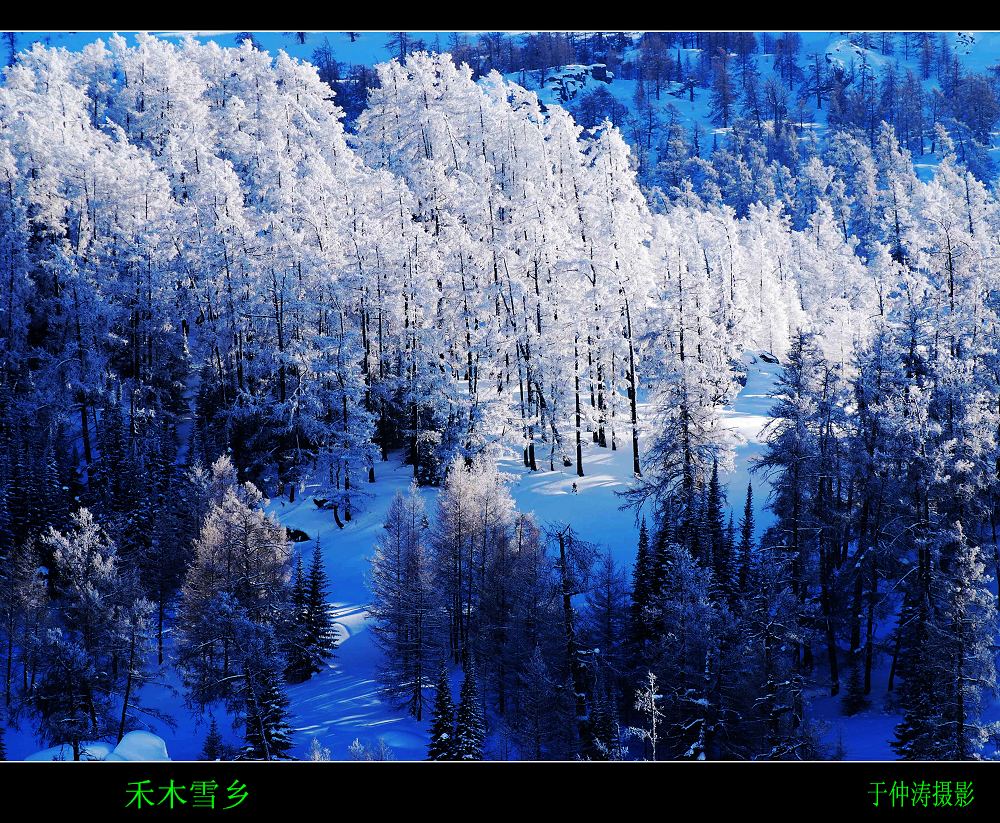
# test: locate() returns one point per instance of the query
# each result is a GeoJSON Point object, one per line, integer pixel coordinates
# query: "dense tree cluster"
{"type": "Point", "coordinates": [479, 584]}
{"type": "Point", "coordinates": [212, 292]}
{"type": "Point", "coordinates": [915, 81]}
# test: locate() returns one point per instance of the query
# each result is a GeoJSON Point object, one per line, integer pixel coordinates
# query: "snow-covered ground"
{"type": "Point", "coordinates": [865, 735]}
{"type": "Point", "coordinates": [341, 703]}
{"type": "Point", "coordinates": [136, 745]}
{"type": "Point", "coordinates": [747, 419]}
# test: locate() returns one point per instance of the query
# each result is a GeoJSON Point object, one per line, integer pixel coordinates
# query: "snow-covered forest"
{"type": "Point", "coordinates": [466, 423]}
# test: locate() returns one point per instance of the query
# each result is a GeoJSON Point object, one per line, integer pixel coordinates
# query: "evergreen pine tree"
{"type": "Point", "coordinates": [604, 717]}
{"type": "Point", "coordinates": [769, 616]}
{"type": "Point", "coordinates": [164, 558]}
{"type": "Point", "coordinates": [321, 640]}
{"type": "Point", "coordinates": [715, 532]}
{"type": "Point", "coordinates": [733, 573]}
{"type": "Point", "coordinates": [947, 659]}
{"type": "Point", "coordinates": [442, 745]}
{"type": "Point", "coordinates": [641, 593]}
{"type": "Point", "coordinates": [855, 699]}
{"type": "Point", "coordinates": [963, 635]}
{"type": "Point", "coordinates": [299, 592]}
{"type": "Point", "coordinates": [914, 734]}
{"type": "Point", "coordinates": [403, 610]}
{"type": "Point", "coordinates": [299, 659]}
{"type": "Point", "coordinates": [470, 726]}
{"type": "Point", "coordinates": [268, 735]}
{"type": "Point", "coordinates": [660, 557]}
{"type": "Point", "coordinates": [546, 712]}
{"type": "Point", "coordinates": [234, 614]}
{"type": "Point", "coordinates": [212, 749]}
{"type": "Point", "coordinates": [67, 696]}
{"type": "Point", "coordinates": [746, 539]}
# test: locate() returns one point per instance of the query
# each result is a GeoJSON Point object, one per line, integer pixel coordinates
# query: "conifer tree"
{"type": "Point", "coordinates": [470, 725]}
{"type": "Point", "coordinates": [443, 742]}
{"type": "Point", "coordinates": [746, 539]}
{"type": "Point", "coordinates": [546, 712]}
{"type": "Point", "coordinates": [963, 640]}
{"type": "Point", "coordinates": [715, 535]}
{"type": "Point", "coordinates": [642, 584]}
{"type": "Point", "coordinates": [70, 697]}
{"type": "Point", "coordinates": [268, 734]}
{"type": "Point", "coordinates": [403, 604]}
{"type": "Point", "coordinates": [23, 610]}
{"type": "Point", "coordinates": [298, 600]}
{"type": "Point", "coordinates": [946, 657]}
{"type": "Point", "coordinates": [320, 637]}
{"type": "Point", "coordinates": [299, 665]}
{"type": "Point", "coordinates": [606, 619]}
{"type": "Point", "coordinates": [914, 734]}
{"type": "Point", "coordinates": [97, 656]}
{"type": "Point", "coordinates": [855, 699]}
{"type": "Point", "coordinates": [234, 610]}
{"type": "Point", "coordinates": [212, 750]}
{"type": "Point", "coordinates": [769, 616]}
{"type": "Point", "coordinates": [686, 644]}
{"type": "Point", "coordinates": [604, 721]}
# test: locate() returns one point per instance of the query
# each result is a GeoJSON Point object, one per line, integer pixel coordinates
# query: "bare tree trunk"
{"type": "Point", "coordinates": [576, 376]}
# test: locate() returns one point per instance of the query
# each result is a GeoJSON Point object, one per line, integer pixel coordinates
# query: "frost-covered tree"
{"type": "Point", "coordinates": [607, 614]}
{"type": "Point", "coordinates": [475, 516]}
{"type": "Point", "coordinates": [235, 605]}
{"type": "Point", "coordinates": [99, 653]}
{"type": "Point", "coordinates": [23, 606]}
{"type": "Point", "coordinates": [379, 751]}
{"type": "Point", "coordinates": [69, 695]}
{"type": "Point", "coordinates": [405, 604]}
{"type": "Point", "coordinates": [646, 699]}
{"type": "Point", "coordinates": [949, 665]}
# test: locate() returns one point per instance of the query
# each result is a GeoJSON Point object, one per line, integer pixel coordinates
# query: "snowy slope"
{"type": "Point", "coordinates": [341, 703]}
{"type": "Point", "coordinates": [747, 418]}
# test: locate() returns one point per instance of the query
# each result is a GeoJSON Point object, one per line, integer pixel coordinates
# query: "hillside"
{"type": "Point", "coordinates": [688, 105]}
